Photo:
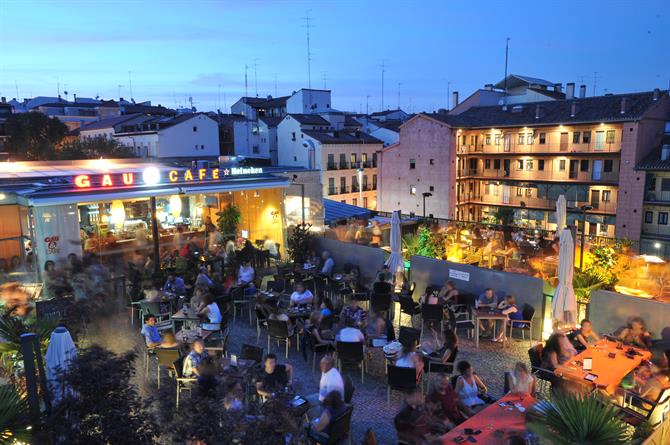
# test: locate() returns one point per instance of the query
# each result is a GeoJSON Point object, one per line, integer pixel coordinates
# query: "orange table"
{"type": "Point", "coordinates": [494, 418]}
{"type": "Point", "coordinates": [610, 371]}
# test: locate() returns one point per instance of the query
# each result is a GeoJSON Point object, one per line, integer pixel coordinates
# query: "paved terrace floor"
{"type": "Point", "coordinates": [369, 400]}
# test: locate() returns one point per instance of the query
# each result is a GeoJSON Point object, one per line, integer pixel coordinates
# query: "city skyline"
{"type": "Point", "coordinates": [169, 52]}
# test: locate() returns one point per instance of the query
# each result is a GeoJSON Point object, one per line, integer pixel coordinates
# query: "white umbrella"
{"type": "Point", "coordinates": [561, 213]}
{"type": "Point", "coordinates": [395, 262]}
{"type": "Point", "coordinates": [650, 259]}
{"type": "Point", "coordinates": [564, 303]}
{"type": "Point", "coordinates": [60, 354]}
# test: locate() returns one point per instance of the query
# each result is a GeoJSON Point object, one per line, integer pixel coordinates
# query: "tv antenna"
{"type": "Point", "coordinates": [308, 25]}
{"type": "Point", "coordinates": [383, 70]}
{"type": "Point", "coordinates": [595, 81]}
{"type": "Point", "coordinates": [325, 77]}
{"type": "Point", "coordinates": [256, 76]}
{"type": "Point", "coordinates": [130, 86]}
{"type": "Point", "coordinates": [399, 84]}
{"type": "Point", "coordinates": [275, 76]}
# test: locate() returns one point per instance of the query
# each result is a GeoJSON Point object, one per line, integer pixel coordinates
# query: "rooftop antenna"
{"type": "Point", "coordinates": [309, 53]}
{"type": "Point", "coordinates": [325, 77]}
{"type": "Point", "coordinates": [118, 89]}
{"type": "Point", "coordinates": [448, 95]}
{"type": "Point", "coordinates": [595, 81]}
{"type": "Point", "coordinates": [130, 86]}
{"type": "Point", "coordinates": [256, 76]}
{"type": "Point", "coordinates": [275, 76]}
{"type": "Point", "coordinates": [57, 86]}
{"type": "Point", "coordinates": [246, 82]}
{"type": "Point", "coordinates": [16, 86]}
{"type": "Point", "coordinates": [382, 101]}
{"type": "Point", "coordinates": [218, 98]}
{"type": "Point", "coordinates": [224, 101]}
{"type": "Point", "coordinates": [506, 62]}
{"type": "Point", "coordinates": [367, 108]}
{"type": "Point", "coordinates": [399, 84]}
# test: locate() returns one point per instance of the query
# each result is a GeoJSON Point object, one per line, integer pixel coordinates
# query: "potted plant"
{"type": "Point", "coordinates": [577, 419]}
{"type": "Point", "coordinates": [229, 220]}
{"type": "Point", "coordinates": [14, 416]}
{"type": "Point", "coordinates": [299, 243]}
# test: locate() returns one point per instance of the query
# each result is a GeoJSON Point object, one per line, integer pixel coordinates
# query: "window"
{"type": "Point", "coordinates": [293, 136]}
{"type": "Point", "coordinates": [374, 181]}
{"type": "Point", "coordinates": [586, 137]}
{"type": "Point", "coordinates": [584, 165]}
{"type": "Point", "coordinates": [473, 163]}
{"type": "Point", "coordinates": [352, 158]}
{"type": "Point", "coordinates": [496, 164]}
{"type": "Point", "coordinates": [530, 138]}
{"type": "Point", "coordinates": [519, 191]}
{"type": "Point", "coordinates": [665, 184]}
{"type": "Point", "coordinates": [412, 163]}
{"type": "Point", "coordinates": [648, 217]}
{"type": "Point", "coordinates": [431, 189]}
{"type": "Point", "coordinates": [488, 139]}
{"type": "Point", "coordinates": [561, 165]}
{"type": "Point", "coordinates": [432, 162]}
{"type": "Point", "coordinates": [607, 195]}
{"type": "Point", "coordinates": [412, 190]}
{"type": "Point", "coordinates": [354, 201]}
{"type": "Point", "coordinates": [195, 128]}
{"type": "Point", "coordinates": [522, 138]}
{"type": "Point", "coordinates": [295, 159]}
{"type": "Point", "coordinates": [519, 164]}
{"type": "Point", "coordinates": [543, 138]}
{"type": "Point", "coordinates": [607, 166]}
{"type": "Point", "coordinates": [663, 218]}
{"type": "Point", "coordinates": [540, 164]}
{"type": "Point", "coordinates": [473, 140]}
{"type": "Point", "coordinates": [364, 157]}
{"type": "Point", "coordinates": [576, 137]}
{"type": "Point", "coordinates": [529, 164]}
{"type": "Point", "coordinates": [487, 164]}
{"type": "Point", "coordinates": [529, 193]}
{"type": "Point", "coordinates": [609, 137]}
{"type": "Point", "coordinates": [365, 202]}
{"type": "Point", "coordinates": [497, 139]}
{"type": "Point", "coordinates": [344, 201]}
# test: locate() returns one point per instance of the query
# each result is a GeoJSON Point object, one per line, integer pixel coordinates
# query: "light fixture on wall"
{"type": "Point", "coordinates": [175, 205]}
{"type": "Point", "coordinates": [117, 213]}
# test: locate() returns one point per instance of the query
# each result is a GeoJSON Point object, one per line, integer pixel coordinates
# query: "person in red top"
{"type": "Point", "coordinates": [442, 403]}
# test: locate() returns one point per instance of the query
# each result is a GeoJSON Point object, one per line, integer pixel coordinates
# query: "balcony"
{"type": "Point", "coordinates": [344, 190]}
{"type": "Point", "coordinates": [536, 147]}
{"type": "Point", "coordinates": [367, 187]}
{"type": "Point", "coordinates": [332, 166]}
{"type": "Point", "coordinates": [532, 202]}
{"type": "Point", "coordinates": [367, 164]}
{"type": "Point", "coordinates": [547, 174]}
{"type": "Point", "coordinates": [343, 166]}
{"type": "Point", "coordinates": [332, 191]}
{"type": "Point", "coordinates": [656, 196]}
{"type": "Point", "coordinates": [354, 188]}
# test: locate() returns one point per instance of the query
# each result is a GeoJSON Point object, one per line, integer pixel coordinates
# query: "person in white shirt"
{"type": "Point", "coordinates": [270, 246]}
{"type": "Point", "coordinates": [246, 273]}
{"type": "Point", "coordinates": [211, 310]}
{"type": "Point", "coordinates": [351, 334]}
{"type": "Point", "coordinates": [328, 264]}
{"type": "Point", "coordinates": [331, 380]}
{"type": "Point", "coordinates": [301, 296]}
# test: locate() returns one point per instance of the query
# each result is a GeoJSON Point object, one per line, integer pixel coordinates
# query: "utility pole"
{"type": "Point", "coordinates": [399, 84]}
{"type": "Point", "coordinates": [309, 53]}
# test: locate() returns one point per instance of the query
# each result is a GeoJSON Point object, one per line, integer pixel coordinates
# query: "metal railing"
{"type": "Point", "coordinates": [538, 175]}
{"type": "Point", "coordinates": [536, 147]}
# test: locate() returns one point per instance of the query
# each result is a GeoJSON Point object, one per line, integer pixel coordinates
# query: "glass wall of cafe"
{"type": "Point", "coordinates": [16, 257]}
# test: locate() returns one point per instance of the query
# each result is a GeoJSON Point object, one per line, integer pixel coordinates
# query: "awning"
{"type": "Point", "coordinates": [337, 211]}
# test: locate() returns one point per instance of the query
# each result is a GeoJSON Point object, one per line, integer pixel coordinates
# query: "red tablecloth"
{"type": "Point", "coordinates": [492, 418]}
{"type": "Point", "coordinates": [610, 371]}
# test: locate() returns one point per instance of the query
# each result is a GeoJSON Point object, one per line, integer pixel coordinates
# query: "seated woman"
{"type": "Point", "coordinates": [320, 335]}
{"type": "Point", "coordinates": [468, 387]}
{"type": "Point", "coordinates": [332, 407]}
{"type": "Point", "coordinates": [376, 326]}
{"type": "Point", "coordinates": [327, 313]}
{"type": "Point", "coordinates": [210, 310]}
{"type": "Point", "coordinates": [276, 315]}
{"type": "Point", "coordinates": [508, 307]}
{"type": "Point", "coordinates": [586, 336]}
{"type": "Point", "coordinates": [448, 294]}
{"type": "Point", "coordinates": [556, 351]}
{"type": "Point", "coordinates": [430, 296]}
{"type": "Point", "coordinates": [520, 380]}
{"type": "Point", "coordinates": [442, 350]}
{"type": "Point", "coordinates": [635, 334]}
{"type": "Point", "coordinates": [410, 359]}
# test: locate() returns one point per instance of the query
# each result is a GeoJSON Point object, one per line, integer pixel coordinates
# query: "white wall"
{"type": "Point", "coordinates": [90, 134]}
{"type": "Point", "coordinates": [291, 152]}
{"type": "Point", "coordinates": [307, 101]}
{"type": "Point", "coordinates": [245, 137]}
{"type": "Point", "coordinates": [240, 107]}
{"type": "Point", "coordinates": [267, 141]}
{"type": "Point", "coordinates": [181, 141]}
{"type": "Point", "coordinates": [143, 145]}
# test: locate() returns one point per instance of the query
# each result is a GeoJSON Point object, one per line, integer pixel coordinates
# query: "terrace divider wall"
{"type": "Point", "coordinates": [426, 271]}
{"type": "Point", "coordinates": [368, 259]}
{"type": "Point", "coordinates": [609, 311]}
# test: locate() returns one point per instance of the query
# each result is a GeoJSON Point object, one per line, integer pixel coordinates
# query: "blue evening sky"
{"type": "Point", "coordinates": [177, 49]}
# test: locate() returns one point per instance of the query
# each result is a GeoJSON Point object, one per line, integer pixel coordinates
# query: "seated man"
{"type": "Point", "coordinates": [414, 423]}
{"type": "Point", "coordinates": [508, 307]}
{"type": "Point", "coordinates": [301, 296]}
{"type": "Point", "coordinates": [203, 279]}
{"type": "Point", "coordinates": [174, 284]}
{"type": "Point", "coordinates": [442, 403]}
{"type": "Point", "coordinates": [274, 377]}
{"type": "Point", "coordinates": [486, 300]}
{"type": "Point", "coordinates": [328, 264]}
{"type": "Point", "coordinates": [353, 314]}
{"type": "Point", "coordinates": [351, 334]}
{"type": "Point", "coordinates": [197, 366]}
{"type": "Point", "coordinates": [331, 380]}
{"type": "Point", "coordinates": [150, 332]}
{"type": "Point", "coordinates": [246, 273]}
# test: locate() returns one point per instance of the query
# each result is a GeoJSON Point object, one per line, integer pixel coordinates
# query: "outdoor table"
{"type": "Point", "coordinates": [299, 312]}
{"type": "Point", "coordinates": [187, 317]}
{"type": "Point", "coordinates": [495, 422]}
{"type": "Point", "coordinates": [485, 314]}
{"type": "Point", "coordinates": [188, 336]}
{"type": "Point", "coordinates": [609, 371]}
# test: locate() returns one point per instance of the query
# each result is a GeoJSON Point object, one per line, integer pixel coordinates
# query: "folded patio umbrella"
{"type": "Point", "coordinates": [60, 355]}
{"type": "Point", "coordinates": [395, 262]}
{"type": "Point", "coordinates": [564, 303]}
{"type": "Point", "coordinates": [561, 213]}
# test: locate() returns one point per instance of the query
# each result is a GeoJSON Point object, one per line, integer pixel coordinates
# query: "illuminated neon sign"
{"type": "Point", "coordinates": [153, 176]}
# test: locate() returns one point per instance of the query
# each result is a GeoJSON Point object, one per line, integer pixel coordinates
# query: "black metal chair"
{"type": "Point", "coordinates": [462, 311]}
{"type": "Point", "coordinates": [183, 383]}
{"type": "Point", "coordinates": [544, 376]}
{"type": "Point", "coordinates": [380, 302]}
{"type": "Point", "coordinates": [348, 389]}
{"type": "Point", "coordinates": [400, 379]}
{"type": "Point", "coordinates": [278, 330]}
{"type": "Point", "coordinates": [351, 353]}
{"type": "Point", "coordinates": [408, 335]}
{"type": "Point", "coordinates": [261, 322]}
{"type": "Point", "coordinates": [340, 428]}
{"type": "Point", "coordinates": [315, 347]}
{"type": "Point", "coordinates": [251, 352]}
{"type": "Point", "coordinates": [636, 410]}
{"type": "Point", "coordinates": [431, 313]}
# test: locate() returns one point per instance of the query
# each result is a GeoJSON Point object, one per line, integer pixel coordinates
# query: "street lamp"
{"type": "Point", "coordinates": [425, 195]}
{"type": "Point", "coordinates": [585, 208]}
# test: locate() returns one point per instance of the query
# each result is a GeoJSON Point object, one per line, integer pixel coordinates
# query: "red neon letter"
{"type": "Point", "coordinates": [128, 178]}
{"type": "Point", "coordinates": [106, 181]}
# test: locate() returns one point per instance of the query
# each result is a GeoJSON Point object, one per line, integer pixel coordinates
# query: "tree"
{"type": "Point", "coordinates": [229, 219]}
{"type": "Point", "coordinates": [107, 407]}
{"type": "Point", "coordinates": [33, 136]}
{"type": "Point", "coordinates": [14, 416]}
{"type": "Point", "coordinates": [94, 148]}
{"type": "Point", "coordinates": [300, 242]}
{"type": "Point", "coordinates": [504, 215]}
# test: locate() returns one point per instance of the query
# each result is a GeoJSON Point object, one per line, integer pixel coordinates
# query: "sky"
{"type": "Point", "coordinates": [172, 50]}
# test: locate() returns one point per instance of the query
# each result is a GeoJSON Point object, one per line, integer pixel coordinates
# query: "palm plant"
{"type": "Point", "coordinates": [11, 329]}
{"type": "Point", "coordinates": [577, 419]}
{"type": "Point", "coordinates": [14, 417]}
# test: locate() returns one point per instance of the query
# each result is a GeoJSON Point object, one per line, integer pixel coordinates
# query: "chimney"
{"type": "Point", "coordinates": [570, 90]}
{"type": "Point", "coordinates": [573, 109]}
{"type": "Point", "coordinates": [488, 87]}
{"type": "Point", "coordinates": [3, 99]}
{"type": "Point", "coordinates": [558, 87]}
{"type": "Point", "coordinates": [357, 133]}
{"type": "Point", "coordinates": [454, 99]}
{"type": "Point", "coordinates": [269, 96]}
{"type": "Point", "coordinates": [623, 105]}
{"type": "Point", "coordinates": [538, 111]}
{"type": "Point", "coordinates": [657, 94]}
{"type": "Point", "coordinates": [582, 91]}
{"type": "Point", "coordinates": [75, 97]}
{"type": "Point", "coordinates": [336, 134]}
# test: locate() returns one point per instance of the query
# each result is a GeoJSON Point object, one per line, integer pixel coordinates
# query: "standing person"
{"type": "Point", "coordinates": [376, 234]}
{"type": "Point", "coordinates": [328, 264]}
{"type": "Point", "coordinates": [382, 285]}
{"type": "Point", "coordinates": [468, 387]}
{"type": "Point", "coordinates": [271, 247]}
{"type": "Point", "coordinates": [520, 380]}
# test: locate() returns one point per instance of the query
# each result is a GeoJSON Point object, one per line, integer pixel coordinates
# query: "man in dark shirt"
{"type": "Point", "coordinates": [414, 423]}
{"type": "Point", "coordinates": [442, 403]}
{"type": "Point", "coordinates": [274, 377]}
{"type": "Point", "coordinates": [381, 286]}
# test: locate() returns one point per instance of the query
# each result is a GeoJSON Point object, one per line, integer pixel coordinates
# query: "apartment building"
{"type": "Point", "coordinates": [655, 236]}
